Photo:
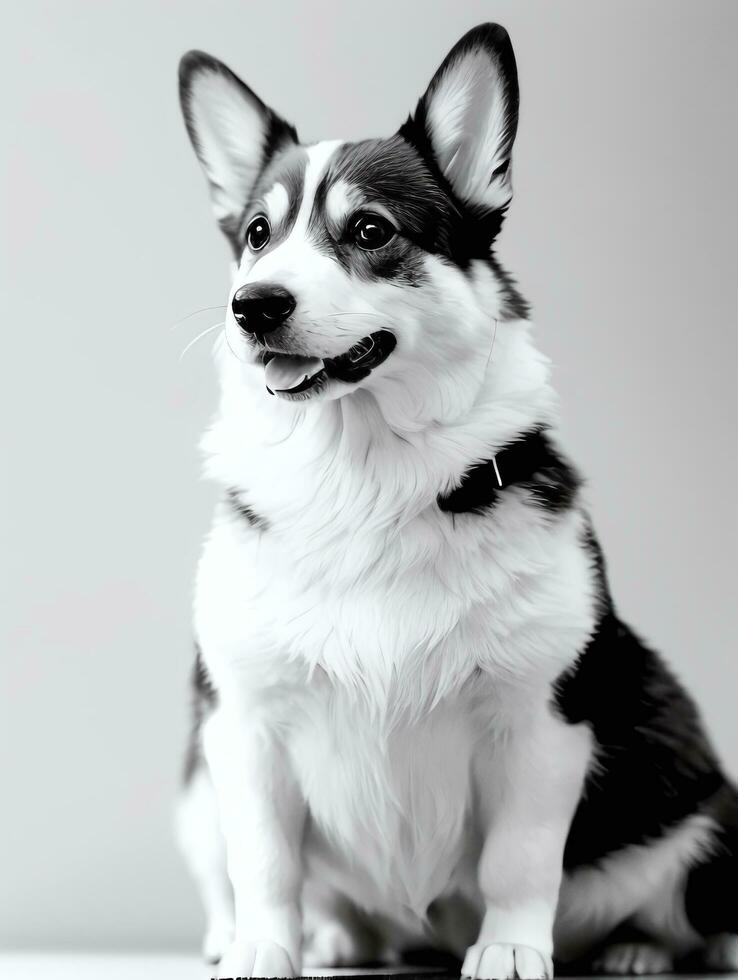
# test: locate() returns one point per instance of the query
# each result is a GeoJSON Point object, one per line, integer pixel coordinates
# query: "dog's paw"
{"type": "Point", "coordinates": [721, 952]}
{"type": "Point", "coordinates": [243, 959]}
{"type": "Point", "coordinates": [634, 959]}
{"type": "Point", "coordinates": [506, 961]}
{"type": "Point", "coordinates": [334, 944]}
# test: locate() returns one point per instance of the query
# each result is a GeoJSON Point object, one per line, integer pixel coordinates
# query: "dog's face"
{"type": "Point", "coordinates": [364, 264]}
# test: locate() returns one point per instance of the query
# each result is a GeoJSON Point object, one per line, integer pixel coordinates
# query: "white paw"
{"type": "Point", "coordinates": [217, 940]}
{"type": "Point", "coordinates": [333, 944]}
{"type": "Point", "coordinates": [721, 952]}
{"type": "Point", "coordinates": [506, 961]}
{"type": "Point", "coordinates": [243, 959]}
{"type": "Point", "coordinates": [634, 959]}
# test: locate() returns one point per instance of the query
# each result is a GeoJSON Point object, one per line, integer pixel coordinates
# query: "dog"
{"type": "Point", "coordinates": [418, 717]}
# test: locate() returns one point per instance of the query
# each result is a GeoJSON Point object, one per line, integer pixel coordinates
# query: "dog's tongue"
{"type": "Point", "coordinates": [287, 371]}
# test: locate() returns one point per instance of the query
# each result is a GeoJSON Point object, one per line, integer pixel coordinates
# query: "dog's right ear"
{"type": "Point", "coordinates": [466, 121]}
{"type": "Point", "coordinates": [233, 133]}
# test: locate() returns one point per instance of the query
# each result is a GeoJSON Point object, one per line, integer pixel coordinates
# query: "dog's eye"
{"type": "Point", "coordinates": [258, 233]}
{"type": "Point", "coordinates": [371, 231]}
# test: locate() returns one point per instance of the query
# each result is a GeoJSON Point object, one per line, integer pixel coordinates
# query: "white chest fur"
{"type": "Point", "coordinates": [406, 626]}
{"type": "Point", "coordinates": [389, 805]}
{"type": "Point", "coordinates": [390, 682]}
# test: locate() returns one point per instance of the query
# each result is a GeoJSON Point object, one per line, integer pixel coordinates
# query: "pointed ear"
{"type": "Point", "coordinates": [467, 119]}
{"type": "Point", "coordinates": [233, 133]}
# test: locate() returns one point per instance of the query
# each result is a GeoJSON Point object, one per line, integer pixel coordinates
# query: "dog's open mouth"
{"type": "Point", "coordinates": [296, 376]}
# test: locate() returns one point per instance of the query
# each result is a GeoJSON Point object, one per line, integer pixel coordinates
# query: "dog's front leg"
{"type": "Point", "coordinates": [262, 817]}
{"type": "Point", "coordinates": [527, 799]}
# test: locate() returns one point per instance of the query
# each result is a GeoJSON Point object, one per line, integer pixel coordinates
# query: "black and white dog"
{"type": "Point", "coordinates": [418, 716]}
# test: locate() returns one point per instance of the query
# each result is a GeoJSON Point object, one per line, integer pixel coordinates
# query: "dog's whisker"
{"type": "Point", "coordinates": [205, 309]}
{"type": "Point", "coordinates": [230, 347]}
{"type": "Point", "coordinates": [346, 313]}
{"type": "Point", "coordinates": [204, 333]}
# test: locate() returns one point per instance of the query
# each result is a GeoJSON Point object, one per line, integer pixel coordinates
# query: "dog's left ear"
{"type": "Point", "coordinates": [467, 119]}
{"type": "Point", "coordinates": [233, 134]}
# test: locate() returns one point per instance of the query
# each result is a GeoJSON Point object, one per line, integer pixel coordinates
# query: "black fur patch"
{"type": "Point", "coordinates": [532, 463]}
{"type": "Point", "coordinates": [204, 700]}
{"type": "Point", "coordinates": [391, 172]}
{"type": "Point", "coordinates": [711, 896]}
{"type": "Point", "coordinates": [654, 764]}
{"type": "Point", "coordinates": [514, 305]}
{"type": "Point", "coordinates": [243, 510]}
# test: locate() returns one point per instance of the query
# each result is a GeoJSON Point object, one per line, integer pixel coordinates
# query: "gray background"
{"type": "Point", "coordinates": [622, 234]}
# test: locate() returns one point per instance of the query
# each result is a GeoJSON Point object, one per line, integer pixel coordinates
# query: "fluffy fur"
{"type": "Point", "coordinates": [417, 713]}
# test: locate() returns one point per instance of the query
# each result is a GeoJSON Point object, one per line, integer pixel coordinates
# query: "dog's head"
{"type": "Point", "coordinates": [364, 264]}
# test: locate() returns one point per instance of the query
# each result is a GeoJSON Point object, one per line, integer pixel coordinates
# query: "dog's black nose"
{"type": "Point", "coordinates": [261, 306]}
